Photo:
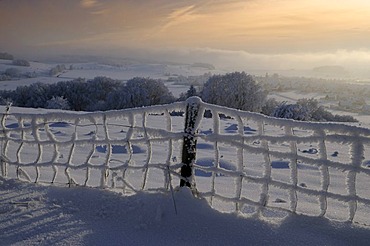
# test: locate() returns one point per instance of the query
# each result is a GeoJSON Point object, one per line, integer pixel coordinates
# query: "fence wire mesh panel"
{"type": "Point", "coordinates": [279, 166]}
{"type": "Point", "coordinates": [130, 149]}
{"type": "Point", "coordinates": [245, 162]}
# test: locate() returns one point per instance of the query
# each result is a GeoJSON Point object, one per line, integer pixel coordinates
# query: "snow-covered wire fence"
{"type": "Point", "coordinates": [115, 149]}
{"type": "Point", "coordinates": [320, 169]}
{"type": "Point", "coordinates": [246, 162]}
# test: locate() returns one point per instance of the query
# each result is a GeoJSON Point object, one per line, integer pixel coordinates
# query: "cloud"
{"type": "Point", "coordinates": [96, 8]}
{"type": "Point", "coordinates": [178, 13]}
{"type": "Point", "coordinates": [89, 3]}
{"type": "Point", "coordinates": [179, 16]}
{"type": "Point", "coordinates": [100, 12]}
{"type": "Point", "coordinates": [229, 60]}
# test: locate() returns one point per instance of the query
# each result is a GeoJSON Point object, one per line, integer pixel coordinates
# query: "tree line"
{"type": "Point", "coordinates": [235, 90]}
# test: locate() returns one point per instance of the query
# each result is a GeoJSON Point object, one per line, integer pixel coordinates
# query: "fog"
{"type": "Point", "coordinates": [350, 64]}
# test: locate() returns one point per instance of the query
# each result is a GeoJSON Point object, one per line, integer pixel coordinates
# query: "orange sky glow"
{"type": "Point", "coordinates": [263, 27]}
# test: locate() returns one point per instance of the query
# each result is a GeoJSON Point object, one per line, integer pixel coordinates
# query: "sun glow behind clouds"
{"type": "Point", "coordinates": [270, 26]}
{"type": "Point", "coordinates": [88, 3]}
{"type": "Point", "coordinates": [254, 26]}
{"type": "Point", "coordinates": [275, 29]}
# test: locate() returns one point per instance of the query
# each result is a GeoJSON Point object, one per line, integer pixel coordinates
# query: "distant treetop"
{"type": "Point", "coordinates": [21, 62]}
{"type": "Point", "coordinates": [6, 56]}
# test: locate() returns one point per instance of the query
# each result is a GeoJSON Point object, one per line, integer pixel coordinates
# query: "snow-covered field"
{"type": "Point", "coordinates": [39, 72]}
{"type": "Point", "coordinates": [34, 214]}
{"type": "Point", "coordinates": [41, 215]}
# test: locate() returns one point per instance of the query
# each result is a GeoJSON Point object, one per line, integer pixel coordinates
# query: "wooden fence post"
{"type": "Point", "coordinates": [190, 141]}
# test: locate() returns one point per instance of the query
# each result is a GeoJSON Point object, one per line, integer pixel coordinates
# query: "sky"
{"type": "Point", "coordinates": [260, 33]}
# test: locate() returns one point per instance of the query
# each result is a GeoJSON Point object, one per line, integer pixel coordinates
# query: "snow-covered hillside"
{"type": "Point", "coordinates": [40, 72]}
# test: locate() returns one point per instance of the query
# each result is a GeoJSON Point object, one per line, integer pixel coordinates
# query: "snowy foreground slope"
{"type": "Point", "coordinates": [44, 215]}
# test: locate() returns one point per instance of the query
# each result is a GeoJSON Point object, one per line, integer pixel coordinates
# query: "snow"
{"type": "Point", "coordinates": [133, 204]}
{"type": "Point", "coordinates": [90, 70]}
{"type": "Point", "coordinates": [32, 214]}
{"type": "Point", "coordinates": [318, 170]}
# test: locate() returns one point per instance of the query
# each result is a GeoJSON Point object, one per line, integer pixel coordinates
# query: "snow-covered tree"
{"type": "Point", "coordinates": [57, 103]}
{"type": "Point", "coordinates": [291, 111]}
{"type": "Point", "coordinates": [189, 93]}
{"type": "Point", "coordinates": [6, 97]}
{"type": "Point", "coordinates": [76, 92]}
{"type": "Point", "coordinates": [270, 106]}
{"type": "Point", "coordinates": [312, 107]}
{"type": "Point", "coordinates": [12, 72]}
{"type": "Point", "coordinates": [235, 90]}
{"type": "Point", "coordinates": [80, 94]}
{"type": "Point", "coordinates": [100, 87]}
{"type": "Point", "coordinates": [33, 96]}
{"type": "Point", "coordinates": [6, 56]}
{"type": "Point", "coordinates": [145, 92]}
{"type": "Point", "coordinates": [4, 77]}
{"type": "Point", "coordinates": [308, 110]}
{"type": "Point", "coordinates": [21, 62]}
{"type": "Point", "coordinates": [57, 69]}
{"type": "Point", "coordinates": [139, 92]}
{"type": "Point", "coordinates": [101, 93]}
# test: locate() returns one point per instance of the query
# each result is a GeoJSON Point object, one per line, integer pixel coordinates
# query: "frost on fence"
{"type": "Point", "coordinates": [245, 162]}
{"type": "Point", "coordinates": [266, 167]}
{"type": "Point", "coordinates": [129, 149]}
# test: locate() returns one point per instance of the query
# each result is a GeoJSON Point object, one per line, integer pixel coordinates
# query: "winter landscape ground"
{"type": "Point", "coordinates": [40, 214]}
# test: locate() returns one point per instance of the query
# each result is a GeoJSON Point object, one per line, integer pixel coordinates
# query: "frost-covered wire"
{"type": "Point", "coordinates": [139, 149]}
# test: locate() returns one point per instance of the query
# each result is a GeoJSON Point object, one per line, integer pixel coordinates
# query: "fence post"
{"type": "Point", "coordinates": [2, 147]}
{"type": "Point", "coordinates": [190, 141]}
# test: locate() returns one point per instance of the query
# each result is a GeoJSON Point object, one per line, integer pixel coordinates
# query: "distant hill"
{"type": "Point", "coordinates": [204, 65]}
{"type": "Point", "coordinates": [330, 71]}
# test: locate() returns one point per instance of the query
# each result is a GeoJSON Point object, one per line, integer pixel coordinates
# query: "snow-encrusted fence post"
{"type": "Point", "coordinates": [190, 141]}
{"type": "Point", "coordinates": [4, 143]}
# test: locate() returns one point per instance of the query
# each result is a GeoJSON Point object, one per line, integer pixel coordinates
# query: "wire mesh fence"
{"type": "Point", "coordinates": [245, 162]}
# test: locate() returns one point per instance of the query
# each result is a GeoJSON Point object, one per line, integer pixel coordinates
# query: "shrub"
{"type": "Point", "coordinates": [21, 62]}
{"type": "Point", "coordinates": [12, 72]}
{"type": "Point", "coordinates": [308, 110]}
{"type": "Point", "coordinates": [6, 56]}
{"type": "Point", "coordinates": [57, 103]}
